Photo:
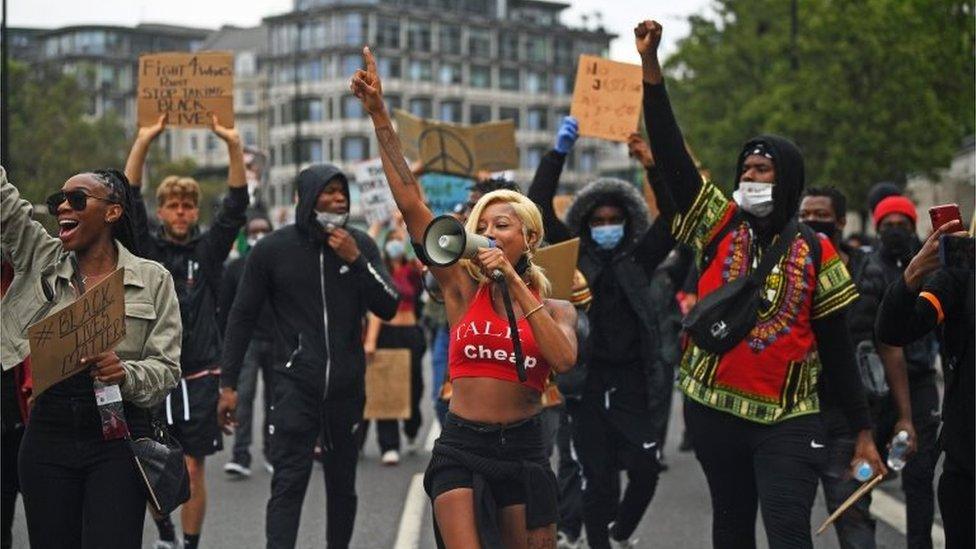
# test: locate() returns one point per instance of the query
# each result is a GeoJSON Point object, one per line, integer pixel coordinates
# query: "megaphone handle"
{"type": "Point", "coordinates": [498, 276]}
{"type": "Point", "coordinates": [513, 327]}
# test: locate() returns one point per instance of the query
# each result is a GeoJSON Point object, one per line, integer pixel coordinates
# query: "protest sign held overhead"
{"type": "Point", "coordinates": [93, 324]}
{"type": "Point", "coordinates": [189, 87]}
{"type": "Point", "coordinates": [457, 148]}
{"type": "Point", "coordinates": [607, 98]}
{"type": "Point", "coordinates": [375, 197]}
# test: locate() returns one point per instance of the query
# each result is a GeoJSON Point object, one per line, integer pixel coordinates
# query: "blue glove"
{"type": "Point", "coordinates": [567, 135]}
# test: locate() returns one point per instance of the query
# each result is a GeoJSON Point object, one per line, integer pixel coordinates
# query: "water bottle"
{"type": "Point", "coordinates": [864, 471]}
{"type": "Point", "coordinates": [896, 454]}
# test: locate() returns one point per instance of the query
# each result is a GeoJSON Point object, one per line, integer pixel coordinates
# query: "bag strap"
{"type": "Point", "coordinates": [776, 251]}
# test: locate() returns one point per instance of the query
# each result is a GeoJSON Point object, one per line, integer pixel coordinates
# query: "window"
{"type": "Point", "coordinates": [479, 43]}
{"type": "Point", "coordinates": [250, 137]}
{"type": "Point", "coordinates": [351, 107]}
{"type": "Point", "coordinates": [449, 73]}
{"type": "Point", "coordinates": [354, 149]}
{"type": "Point", "coordinates": [532, 157]}
{"type": "Point", "coordinates": [353, 29]}
{"type": "Point", "coordinates": [310, 150]}
{"type": "Point", "coordinates": [193, 143]}
{"type": "Point", "coordinates": [480, 76]}
{"type": "Point", "coordinates": [418, 36]}
{"type": "Point", "coordinates": [536, 49]}
{"type": "Point", "coordinates": [245, 64]}
{"type": "Point", "coordinates": [508, 79]}
{"type": "Point", "coordinates": [393, 102]}
{"type": "Point", "coordinates": [311, 70]}
{"type": "Point", "coordinates": [247, 98]}
{"type": "Point", "coordinates": [389, 67]}
{"type": "Point", "coordinates": [509, 113]}
{"type": "Point", "coordinates": [563, 53]}
{"type": "Point", "coordinates": [560, 84]}
{"type": "Point", "coordinates": [211, 142]}
{"type": "Point", "coordinates": [508, 46]}
{"type": "Point", "coordinates": [450, 39]}
{"type": "Point", "coordinates": [479, 114]}
{"type": "Point", "coordinates": [310, 110]}
{"type": "Point", "coordinates": [388, 32]}
{"type": "Point", "coordinates": [421, 106]}
{"type": "Point", "coordinates": [420, 70]}
{"type": "Point", "coordinates": [537, 119]}
{"type": "Point", "coordinates": [535, 82]}
{"type": "Point", "coordinates": [450, 111]}
{"type": "Point", "coordinates": [587, 161]}
{"type": "Point", "coordinates": [350, 64]}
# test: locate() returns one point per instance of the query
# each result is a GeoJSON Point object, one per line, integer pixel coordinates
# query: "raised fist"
{"type": "Point", "coordinates": [647, 35]}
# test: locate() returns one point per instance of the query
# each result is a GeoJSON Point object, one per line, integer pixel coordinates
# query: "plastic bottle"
{"type": "Point", "coordinates": [896, 454]}
{"type": "Point", "coordinates": [864, 471]}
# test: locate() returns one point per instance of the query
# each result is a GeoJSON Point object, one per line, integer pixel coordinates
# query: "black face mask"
{"type": "Point", "coordinates": [897, 243]}
{"type": "Point", "coordinates": [828, 228]}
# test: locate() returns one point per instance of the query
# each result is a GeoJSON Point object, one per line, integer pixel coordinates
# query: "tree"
{"type": "Point", "coordinates": [51, 135]}
{"type": "Point", "coordinates": [880, 88]}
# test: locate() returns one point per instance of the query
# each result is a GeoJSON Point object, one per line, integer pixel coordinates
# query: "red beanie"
{"type": "Point", "coordinates": [894, 204]}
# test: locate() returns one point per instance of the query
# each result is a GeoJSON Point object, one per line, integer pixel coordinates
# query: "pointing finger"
{"type": "Point", "coordinates": [370, 60]}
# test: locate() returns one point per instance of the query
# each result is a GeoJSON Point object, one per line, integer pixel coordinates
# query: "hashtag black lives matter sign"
{"type": "Point", "coordinates": [93, 324]}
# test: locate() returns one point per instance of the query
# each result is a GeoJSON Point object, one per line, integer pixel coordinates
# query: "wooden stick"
{"type": "Point", "coordinates": [865, 488]}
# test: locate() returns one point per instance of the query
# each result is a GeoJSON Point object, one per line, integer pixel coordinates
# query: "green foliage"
{"type": "Point", "coordinates": [874, 90]}
{"type": "Point", "coordinates": [51, 135]}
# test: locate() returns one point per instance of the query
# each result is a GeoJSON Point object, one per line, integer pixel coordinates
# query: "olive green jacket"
{"type": "Point", "coordinates": [150, 351]}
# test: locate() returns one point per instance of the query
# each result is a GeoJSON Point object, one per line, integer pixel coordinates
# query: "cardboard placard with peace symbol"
{"type": "Point", "coordinates": [457, 148]}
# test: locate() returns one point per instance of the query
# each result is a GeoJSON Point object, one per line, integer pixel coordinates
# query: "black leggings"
{"type": "Point", "coordinates": [746, 463]}
{"type": "Point", "coordinates": [79, 490]}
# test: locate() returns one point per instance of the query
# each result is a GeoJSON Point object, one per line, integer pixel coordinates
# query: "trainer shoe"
{"type": "Point", "coordinates": [391, 457]}
{"type": "Point", "coordinates": [623, 544]}
{"type": "Point", "coordinates": [412, 447]}
{"type": "Point", "coordinates": [160, 544]}
{"type": "Point", "coordinates": [236, 470]}
{"type": "Point", "coordinates": [564, 541]}
{"type": "Point", "coordinates": [269, 468]}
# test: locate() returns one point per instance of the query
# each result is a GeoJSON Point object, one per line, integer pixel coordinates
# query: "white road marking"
{"type": "Point", "coordinates": [412, 517]}
{"type": "Point", "coordinates": [432, 434]}
{"type": "Point", "coordinates": [892, 511]}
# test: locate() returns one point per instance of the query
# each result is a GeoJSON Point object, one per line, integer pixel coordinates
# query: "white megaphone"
{"type": "Point", "coordinates": [446, 241]}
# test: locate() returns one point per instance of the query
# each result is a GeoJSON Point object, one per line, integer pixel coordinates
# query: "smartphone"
{"type": "Point", "coordinates": [957, 252]}
{"type": "Point", "coordinates": [943, 214]}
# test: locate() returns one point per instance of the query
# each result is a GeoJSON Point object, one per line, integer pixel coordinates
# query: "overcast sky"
{"type": "Point", "coordinates": [214, 13]}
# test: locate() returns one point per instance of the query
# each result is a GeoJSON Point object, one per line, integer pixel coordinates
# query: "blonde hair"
{"type": "Point", "coordinates": [178, 187]}
{"type": "Point", "coordinates": [528, 213]}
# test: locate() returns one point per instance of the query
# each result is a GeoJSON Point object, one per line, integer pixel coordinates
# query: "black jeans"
{"type": "Point", "coordinates": [919, 473]}
{"type": "Point", "coordinates": [9, 481]}
{"type": "Point", "coordinates": [79, 490]}
{"type": "Point", "coordinates": [957, 502]}
{"type": "Point", "coordinates": [570, 473]}
{"type": "Point", "coordinates": [402, 337]}
{"type": "Point", "coordinates": [746, 463]}
{"type": "Point", "coordinates": [604, 449]}
{"type": "Point", "coordinates": [855, 527]}
{"type": "Point", "coordinates": [298, 420]}
{"type": "Point", "coordinates": [258, 358]}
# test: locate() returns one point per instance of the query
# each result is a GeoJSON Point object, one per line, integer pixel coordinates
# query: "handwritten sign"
{"type": "Point", "coordinates": [444, 191]}
{"type": "Point", "coordinates": [388, 385]}
{"type": "Point", "coordinates": [456, 148]}
{"type": "Point", "coordinates": [93, 324]}
{"type": "Point", "coordinates": [607, 98]}
{"type": "Point", "coordinates": [188, 87]}
{"type": "Point", "coordinates": [374, 191]}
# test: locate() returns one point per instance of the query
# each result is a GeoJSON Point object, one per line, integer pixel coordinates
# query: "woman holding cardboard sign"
{"type": "Point", "coordinates": [490, 459]}
{"type": "Point", "coordinates": [79, 480]}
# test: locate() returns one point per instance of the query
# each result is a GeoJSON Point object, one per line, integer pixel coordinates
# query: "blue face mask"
{"type": "Point", "coordinates": [395, 249]}
{"type": "Point", "coordinates": [607, 236]}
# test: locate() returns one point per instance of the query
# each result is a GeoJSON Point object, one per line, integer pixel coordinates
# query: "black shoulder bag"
{"type": "Point", "coordinates": [159, 460]}
{"type": "Point", "coordinates": [724, 317]}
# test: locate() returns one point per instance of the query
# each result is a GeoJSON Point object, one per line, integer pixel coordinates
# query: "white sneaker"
{"type": "Point", "coordinates": [563, 541]}
{"type": "Point", "coordinates": [269, 468]}
{"type": "Point", "coordinates": [160, 544]}
{"type": "Point", "coordinates": [391, 457]}
{"type": "Point", "coordinates": [412, 447]}
{"type": "Point", "coordinates": [623, 544]}
{"type": "Point", "coordinates": [236, 470]}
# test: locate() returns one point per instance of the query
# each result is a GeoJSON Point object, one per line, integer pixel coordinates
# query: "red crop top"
{"type": "Point", "coordinates": [481, 346]}
{"type": "Point", "coordinates": [407, 279]}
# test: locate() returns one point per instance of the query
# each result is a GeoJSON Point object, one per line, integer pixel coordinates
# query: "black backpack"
{"type": "Point", "coordinates": [724, 317]}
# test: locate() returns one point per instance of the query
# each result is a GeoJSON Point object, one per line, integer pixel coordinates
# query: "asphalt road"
{"type": "Point", "coordinates": [679, 515]}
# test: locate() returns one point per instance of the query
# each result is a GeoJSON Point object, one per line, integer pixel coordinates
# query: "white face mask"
{"type": "Point", "coordinates": [253, 239]}
{"type": "Point", "coordinates": [754, 197]}
{"type": "Point", "coordinates": [329, 220]}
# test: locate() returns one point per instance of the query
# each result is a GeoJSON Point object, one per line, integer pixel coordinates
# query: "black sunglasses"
{"type": "Point", "coordinates": [76, 198]}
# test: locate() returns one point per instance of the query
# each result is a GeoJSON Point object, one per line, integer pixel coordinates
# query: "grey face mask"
{"type": "Point", "coordinates": [329, 220]}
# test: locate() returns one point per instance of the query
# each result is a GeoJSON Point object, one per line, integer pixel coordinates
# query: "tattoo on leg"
{"type": "Point", "coordinates": [390, 144]}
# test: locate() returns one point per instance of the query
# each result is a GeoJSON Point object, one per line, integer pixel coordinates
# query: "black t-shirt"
{"type": "Point", "coordinates": [615, 337]}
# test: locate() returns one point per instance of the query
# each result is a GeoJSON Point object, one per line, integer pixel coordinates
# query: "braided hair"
{"type": "Point", "coordinates": [120, 192]}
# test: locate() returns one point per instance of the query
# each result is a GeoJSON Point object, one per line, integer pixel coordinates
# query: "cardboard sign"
{"type": "Point", "coordinates": [559, 262]}
{"type": "Point", "coordinates": [607, 98]}
{"type": "Point", "coordinates": [187, 86]}
{"type": "Point", "coordinates": [375, 196]}
{"type": "Point", "coordinates": [93, 324]}
{"type": "Point", "coordinates": [444, 191]}
{"type": "Point", "coordinates": [388, 385]}
{"type": "Point", "coordinates": [457, 148]}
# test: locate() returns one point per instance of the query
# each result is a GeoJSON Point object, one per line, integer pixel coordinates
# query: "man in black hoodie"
{"type": "Point", "coordinates": [319, 278]}
{"type": "Point", "coordinates": [196, 261]}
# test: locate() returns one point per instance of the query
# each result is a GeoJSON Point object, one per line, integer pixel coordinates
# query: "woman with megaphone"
{"type": "Point", "coordinates": [488, 478]}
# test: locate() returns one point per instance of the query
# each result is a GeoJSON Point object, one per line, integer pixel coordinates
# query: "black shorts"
{"type": "Point", "coordinates": [190, 411]}
{"type": "Point", "coordinates": [522, 442]}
